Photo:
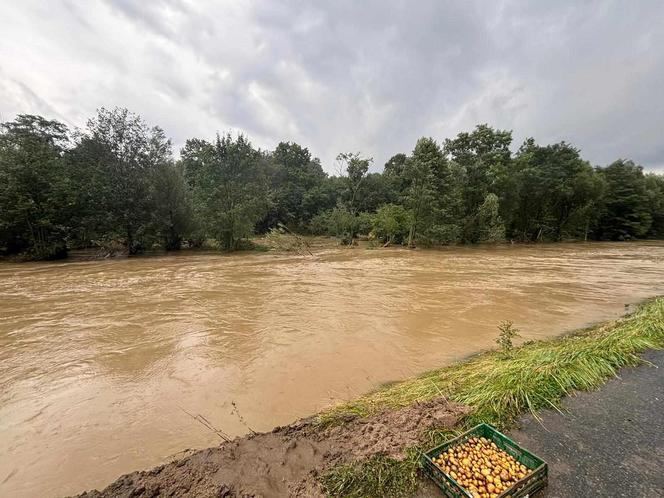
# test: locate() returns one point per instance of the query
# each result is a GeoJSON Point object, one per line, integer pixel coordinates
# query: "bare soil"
{"type": "Point", "coordinates": [288, 460]}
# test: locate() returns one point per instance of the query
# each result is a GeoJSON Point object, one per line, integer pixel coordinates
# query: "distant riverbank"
{"type": "Point", "coordinates": [293, 244]}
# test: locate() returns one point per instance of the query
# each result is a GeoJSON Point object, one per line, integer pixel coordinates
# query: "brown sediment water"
{"type": "Point", "coordinates": [100, 361]}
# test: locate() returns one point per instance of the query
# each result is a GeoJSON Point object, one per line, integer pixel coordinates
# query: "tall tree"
{"type": "Point", "coordinates": [626, 211]}
{"type": "Point", "coordinates": [36, 199]}
{"type": "Point", "coordinates": [355, 168]}
{"type": "Point", "coordinates": [376, 191]}
{"type": "Point", "coordinates": [490, 225]}
{"type": "Point", "coordinates": [395, 165]}
{"type": "Point", "coordinates": [420, 174]}
{"type": "Point", "coordinates": [655, 191]}
{"type": "Point", "coordinates": [295, 180]}
{"type": "Point", "coordinates": [229, 181]}
{"type": "Point", "coordinates": [393, 177]}
{"type": "Point", "coordinates": [172, 212]}
{"type": "Point", "coordinates": [484, 154]}
{"type": "Point", "coordinates": [125, 152]}
{"type": "Point", "coordinates": [558, 193]}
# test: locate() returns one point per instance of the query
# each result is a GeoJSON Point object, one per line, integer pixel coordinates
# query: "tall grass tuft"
{"type": "Point", "coordinates": [378, 474]}
{"type": "Point", "coordinates": [499, 388]}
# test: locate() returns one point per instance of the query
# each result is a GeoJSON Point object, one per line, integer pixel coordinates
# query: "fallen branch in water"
{"type": "Point", "coordinates": [242, 421]}
{"type": "Point", "coordinates": [208, 425]}
{"type": "Point", "coordinates": [177, 454]}
{"type": "Point", "coordinates": [282, 238]}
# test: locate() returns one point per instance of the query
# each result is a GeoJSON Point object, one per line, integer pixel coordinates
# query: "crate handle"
{"type": "Point", "coordinates": [517, 451]}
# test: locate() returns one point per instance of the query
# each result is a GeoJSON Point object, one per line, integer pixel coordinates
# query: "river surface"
{"type": "Point", "coordinates": [103, 364]}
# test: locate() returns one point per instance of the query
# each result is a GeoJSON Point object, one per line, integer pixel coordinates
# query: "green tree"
{"type": "Point", "coordinates": [484, 154]}
{"type": "Point", "coordinates": [376, 191]}
{"type": "Point", "coordinates": [355, 168]}
{"type": "Point", "coordinates": [395, 165]}
{"type": "Point", "coordinates": [490, 225]}
{"type": "Point", "coordinates": [655, 192]}
{"type": "Point", "coordinates": [172, 212]}
{"type": "Point", "coordinates": [391, 223]}
{"type": "Point", "coordinates": [36, 199]}
{"type": "Point", "coordinates": [125, 153]}
{"type": "Point", "coordinates": [342, 223]}
{"type": "Point", "coordinates": [430, 194]}
{"type": "Point", "coordinates": [626, 211]}
{"type": "Point", "coordinates": [419, 171]}
{"type": "Point", "coordinates": [337, 222]}
{"type": "Point", "coordinates": [90, 220]}
{"type": "Point", "coordinates": [296, 180]}
{"type": "Point", "coordinates": [320, 224]}
{"type": "Point", "coordinates": [230, 187]}
{"type": "Point", "coordinates": [558, 194]}
{"type": "Point", "coordinates": [393, 177]}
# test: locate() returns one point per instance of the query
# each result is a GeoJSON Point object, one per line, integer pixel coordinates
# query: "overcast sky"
{"type": "Point", "coordinates": [369, 76]}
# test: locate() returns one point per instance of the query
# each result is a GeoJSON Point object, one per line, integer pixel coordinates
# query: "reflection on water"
{"type": "Point", "coordinates": [97, 358]}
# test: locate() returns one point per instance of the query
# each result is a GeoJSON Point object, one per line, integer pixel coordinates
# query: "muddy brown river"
{"type": "Point", "coordinates": [103, 363]}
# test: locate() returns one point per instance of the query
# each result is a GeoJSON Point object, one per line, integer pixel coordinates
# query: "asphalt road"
{"type": "Point", "coordinates": [608, 443]}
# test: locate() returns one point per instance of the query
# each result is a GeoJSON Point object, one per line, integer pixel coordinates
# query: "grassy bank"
{"type": "Point", "coordinates": [499, 386]}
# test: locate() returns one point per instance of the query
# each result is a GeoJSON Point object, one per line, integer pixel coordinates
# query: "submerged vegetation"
{"type": "Point", "coordinates": [498, 388]}
{"type": "Point", "coordinates": [117, 185]}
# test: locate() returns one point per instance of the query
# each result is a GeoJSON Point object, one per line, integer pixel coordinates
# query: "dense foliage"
{"type": "Point", "coordinates": [116, 185]}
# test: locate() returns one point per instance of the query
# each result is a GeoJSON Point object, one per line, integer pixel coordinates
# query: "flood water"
{"type": "Point", "coordinates": [100, 361]}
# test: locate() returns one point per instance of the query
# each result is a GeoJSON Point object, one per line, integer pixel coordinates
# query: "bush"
{"type": "Point", "coordinates": [341, 222]}
{"type": "Point", "coordinates": [507, 332]}
{"type": "Point", "coordinates": [320, 224]}
{"type": "Point", "coordinates": [363, 222]}
{"type": "Point", "coordinates": [391, 223]}
{"type": "Point", "coordinates": [441, 234]}
{"type": "Point", "coordinates": [490, 226]}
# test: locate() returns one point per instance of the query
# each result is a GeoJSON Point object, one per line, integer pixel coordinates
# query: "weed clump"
{"type": "Point", "coordinates": [507, 332]}
{"type": "Point", "coordinates": [378, 475]}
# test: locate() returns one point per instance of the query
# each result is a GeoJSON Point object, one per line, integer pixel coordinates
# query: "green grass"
{"type": "Point", "coordinates": [499, 387]}
{"type": "Point", "coordinates": [378, 475]}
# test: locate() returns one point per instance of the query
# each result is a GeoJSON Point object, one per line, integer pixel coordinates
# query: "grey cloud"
{"type": "Point", "coordinates": [24, 95]}
{"type": "Point", "coordinates": [371, 76]}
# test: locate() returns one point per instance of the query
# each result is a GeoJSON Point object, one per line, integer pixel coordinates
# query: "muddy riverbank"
{"type": "Point", "coordinates": [286, 461]}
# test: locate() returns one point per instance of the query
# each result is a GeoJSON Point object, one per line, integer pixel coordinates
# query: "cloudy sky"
{"type": "Point", "coordinates": [335, 76]}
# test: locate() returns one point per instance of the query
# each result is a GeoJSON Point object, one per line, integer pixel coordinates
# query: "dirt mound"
{"type": "Point", "coordinates": [286, 461]}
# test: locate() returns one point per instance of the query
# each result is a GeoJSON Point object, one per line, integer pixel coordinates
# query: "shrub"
{"type": "Point", "coordinates": [391, 223]}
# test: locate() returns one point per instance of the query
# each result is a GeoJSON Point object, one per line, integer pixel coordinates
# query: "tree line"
{"type": "Point", "coordinates": [117, 185]}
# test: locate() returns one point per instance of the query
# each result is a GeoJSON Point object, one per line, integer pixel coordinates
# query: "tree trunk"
{"type": "Point", "coordinates": [411, 234]}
